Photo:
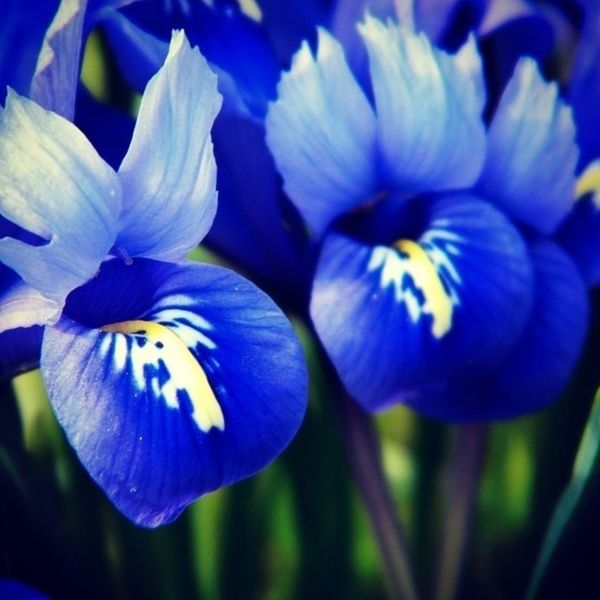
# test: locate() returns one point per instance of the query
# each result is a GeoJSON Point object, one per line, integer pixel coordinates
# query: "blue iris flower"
{"type": "Point", "coordinates": [170, 378]}
{"type": "Point", "coordinates": [439, 283]}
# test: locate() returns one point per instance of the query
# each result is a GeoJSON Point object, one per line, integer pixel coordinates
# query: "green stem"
{"type": "Point", "coordinates": [585, 462]}
{"type": "Point", "coordinates": [461, 495]}
{"type": "Point", "coordinates": [364, 455]}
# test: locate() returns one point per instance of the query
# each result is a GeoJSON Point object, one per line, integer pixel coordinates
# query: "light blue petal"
{"type": "Point", "coordinates": [397, 321]}
{"type": "Point", "coordinates": [169, 172]}
{"type": "Point", "coordinates": [530, 162]}
{"type": "Point", "coordinates": [203, 386]}
{"type": "Point", "coordinates": [429, 109]}
{"type": "Point", "coordinates": [321, 131]}
{"type": "Point", "coordinates": [54, 83]}
{"type": "Point", "coordinates": [53, 184]}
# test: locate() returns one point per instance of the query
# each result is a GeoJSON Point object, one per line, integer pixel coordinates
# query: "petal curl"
{"type": "Point", "coordinates": [400, 320]}
{"type": "Point", "coordinates": [131, 396]}
{"type": "Point", "coordinates": [19, 350]}
{"type": "Point", "coordinates": [321, 131]}
{"type": "Point", "coordinates": [54, 185]}
{"type": "Point", "coordinates": [169, 172]}
{"type": "Point", "coordinates": [429, 109]}
{"type": "Point", "coordinates": [531, 156]}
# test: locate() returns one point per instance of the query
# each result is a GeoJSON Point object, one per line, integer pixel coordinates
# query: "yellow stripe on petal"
{"type": "Point", "coordinates": [426, 278]}
{"type": "Point", "coordinates": [164, 363]}
{"type": "Point", "coordinates": [589, 181]}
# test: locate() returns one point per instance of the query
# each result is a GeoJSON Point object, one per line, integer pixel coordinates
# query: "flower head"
{"type": "Point", "coordinates": [169, 378]}
{"type": "Point", "coordinates": [438, 282]}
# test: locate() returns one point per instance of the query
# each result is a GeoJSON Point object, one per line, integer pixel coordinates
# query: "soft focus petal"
{"type": "Point", "coordinates": [530, 163]}
{"type": "Point", "coordinates": [203, 387]}
{"type": "Point", "coordinates": [397, 321]}
{"type": "Point", "coordinates": [53, 184]}
{"type": "Point", "coordinates": [429, 108]}
{"type": "Point", "coordinates": [169, 172]}
{"type": "Point", "coordinates": [11, 589]}
{"type": "Point", "coordinates": [22, 29]}
{"type": "Point", "coordinates": [539, 367]}
{"type": "Point", "coordinates": [321, 131]}
{"type": "Point", "coordinates": [19, 350]}
{"type": "Point", "coordinates": [55, 80]}
{"type": "Point", "coordinates": [580, 232]}
{"type": "Point", "coordinates": [139, 53]}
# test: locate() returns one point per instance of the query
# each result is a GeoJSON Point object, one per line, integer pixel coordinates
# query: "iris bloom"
{"type": "Point", "coordinates": [439, 284]}
{"type": "Point", "coordinates": [169, 378]}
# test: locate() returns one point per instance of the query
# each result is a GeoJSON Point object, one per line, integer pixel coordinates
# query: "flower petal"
{"type": "Point", "coordinates": [321, 131]}
{"type": "Point", "coordinates": [204, 387]}
{"type": "Point", "coordinates": [19, 350]}
{"type": "Point", "coordinates": [169, 172]}
{"type": "Point", "coordinates": [429, 109]}
{"type": "Point", "coordinates": [530, 162]}
{"type": "Point", "coordinates": [398, 320]}
{"type": "Point", "coordinates": [54, 185]}
{"type": "Point", "coordinates": [579, 234]}
{"type": "Point", "coordinates": [539, 367]}
{"type": "Point", "coordinates": [54, 83]}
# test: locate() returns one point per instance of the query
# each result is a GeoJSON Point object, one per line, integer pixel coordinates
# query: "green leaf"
{"type": "Point", "coordinates": [583, 468]}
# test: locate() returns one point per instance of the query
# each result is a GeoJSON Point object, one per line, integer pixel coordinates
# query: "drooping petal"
{"type": "Point", "coordinates": [538, 368]}
{"type": "Point", "coordinates": [54, 83]}
{"type": "Point", "coordinates": [429, 109]}
{"type": "Point", "coordinates": [169, 172]}
{"type": "Point", "coordinates": [54, 185]}
{"type": "Point", "coordinates": [580, 232]}
{"type": "Point", "coordinates": [194, 382]}
{"type": "Point", "coordinates": [321, 131]}
{"type": "Point", "coordinates": [531, 156]}
{"type": "Point", "coordinates": [411, 317]}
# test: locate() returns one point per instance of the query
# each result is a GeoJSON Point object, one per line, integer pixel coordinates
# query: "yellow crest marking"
{"type": "Point", "coordinates": [184, 370]}
{"type": "Point", "coordinates": [589, 180]}
{"type": "Point", "coordinates": [426, 278]}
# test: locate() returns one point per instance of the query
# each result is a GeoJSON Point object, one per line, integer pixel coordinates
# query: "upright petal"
{"type": "Point", "coordinates": [530, 161]}
{"type": "Point", "coordinates": [54, 83]}
{"type": "Point", "coordinates": [54, 185]}
{"type": "Point", "coordinates": [199, 382]}
{"type": "Point", "coordinates": [321, 131]}
{"type": "Point", "coordinates": [399, 320]}
{"type": "Point", "coordinates": [169, 172]}
{"type": "Point", "coordinates": [429, 109]}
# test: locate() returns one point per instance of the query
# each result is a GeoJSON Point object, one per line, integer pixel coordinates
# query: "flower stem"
{"type": "Point", "coordinates": [461, 495]}
{"type": "Point", "coordinates": [364, 455]}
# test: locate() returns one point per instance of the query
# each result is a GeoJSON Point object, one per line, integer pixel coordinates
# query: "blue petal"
{"type": "Point", "coordinates": [530, 163]}
{"type": "Point", "coordinates": [54, 185]}
{"type": "Point", "coordinates": [19, 350]}
{"type": "Point", "coordinates": [256, 227]}
{"type": "Point", "coordinates": [429, 109]}
{"type": "Point", "coordinates": [54, 83]}
{"type": "Point", "coordinates": [211, 392]}
{"type": "Point", "coordinates": [580, 232]}
{"type": "Point", "coordinates": [539, 367]}
{"type": "Point", "coordinates": [139, 53]}
{"type": "Point", "coordinates": [321, 132]}
{"type": "Point", "coordinates": [584, 92]}
{"type": "Point", "coordinates": [400, 320]}
{"type": "Point", "coordinates": [11, 589]}
{"type": "Point", "coordinates": [22, 30]}
{"type": "Point", "coordinates": [169, 172]}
